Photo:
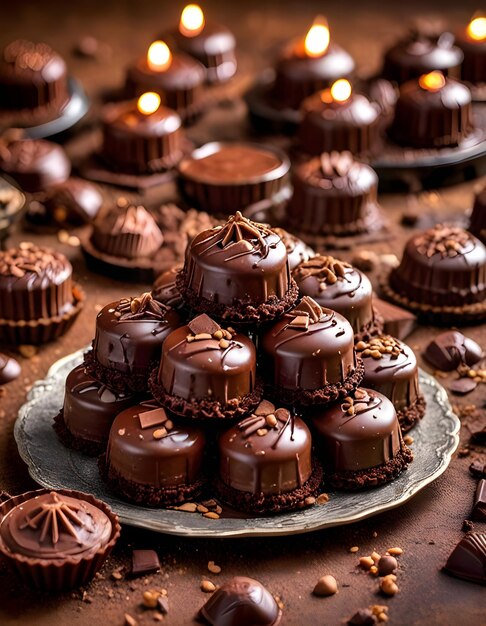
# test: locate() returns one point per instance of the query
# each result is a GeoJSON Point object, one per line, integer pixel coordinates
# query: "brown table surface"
{"type": "Point", "coordinates": [426, 528]}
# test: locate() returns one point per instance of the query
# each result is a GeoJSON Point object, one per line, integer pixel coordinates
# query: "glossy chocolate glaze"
{"type": "Point", "coordinates": [390, 368]}
{"type": "Point", "coordinates": [442, 266]}
{"type": "Point", "coordinates": [220, 365]}
{"type": "Point", "coordinates": [90, 407]}
{"type": "Point", "coordinates": [32, 75]}
{"type": "Point", "coordinates": [164, 454]}
{"type": "Point", "coordinates": [35, 163]}
{"type": "Point", "coordinates": [333, 195]}
{"type": "Point", "coordinates": [35, 283]}
{"type": "Point", "coordinates": [468, 559]}
{"type": "Point", "coordinates": [75, 201]}
{"type": "Point", "coordinates": [127, 231]}
{"type": "Point", "coordinates": [432, 119]}
{"type": "Point", "coordinates": [473, 68]}
{"type": "Point", "coordinates": [366, 437]}
{"type": "Point", "coordinates": [130, 342]}
{"type": "Point", "coordinates": [297, 250]}
{"type": "Point", "coordinates": [241, 601]}
{"type": "Point", "coordinates": [339, 286]}
{"type": "Point", "coordinates": [9, 369]}
{"type": "Point", "coordinates": [55, 526]}
{"type": "Point", "coordinates": [328, 125]}
{"type": "Point", "coordinates": [256, 457]}
{"type": "Point", "coordinates": [239, 261]}
{"type": "Point", "coordinates": [164, 288]}
{"type": "Point", "coordinates": [477, 221]}
{"type": "Point", "coordinates": [296, 358]}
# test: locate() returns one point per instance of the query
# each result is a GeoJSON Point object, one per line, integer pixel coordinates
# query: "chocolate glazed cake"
{"type": "Point", "coordinates": [265, 462]}
{"type": "Point", "coordinates": [477, 221]}
{"type": "Point", "coordinates": [297, 250]}
{"type": "Point", "coordinates": [152, 460]}
{"type": "Point", "coordinates": [308, 356]}
{"type": "Point", "coordinates": [207, 372]}
{"type": "Point", "coordinates": [391, 368]}
{"type": "Point", "coordinates": [128, 342]}
{"type": "Point", "coordinates": [360, 441]}
{"type": "Point", "coordinates": [164, 289]}
{"type": "Point", "coordinates": [339, 286]}
{"type": "Point", "coordinates": [442, 276]}
{"type": "Point", "coordinates": [238, 272]}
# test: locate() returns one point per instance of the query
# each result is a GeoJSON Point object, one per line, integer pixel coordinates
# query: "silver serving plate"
{"type": "Point", "coordinates": [54, 466]}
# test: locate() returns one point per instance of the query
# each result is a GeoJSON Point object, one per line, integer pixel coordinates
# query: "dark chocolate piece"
{"type": "Point", "coordinates": [451, 349]}
{"type": "Point", "coordinates": [462, 386]}
{"type": "Point", "coordinates": [144, 562]}
{"type": "Point", "coordinates": [468, 559]}
{"type": "Point", "coordinates": [478, 437]}
{"type": "Point", "coordinates": [74, 201]}
{"type": "Point", "coordinates": [478, 469]}
{"type": "Point", "coordinates": [163, 604]}
{"type": "Point", "coordinates": [9, 369]}
{"type": "Point", "coordinates": [479, 509]}
{"type": "Point", "coordinates": [203, 324]}
{"type": "Point", "coordinates": [363, 617]}
{"type": "Point", "coordinates": [398, 322]}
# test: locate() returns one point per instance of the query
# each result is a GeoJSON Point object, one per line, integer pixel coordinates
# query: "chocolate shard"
{"type": "Point", "coordinates": [468, 559]}
{"type": "Point", "coordinates": [308, 307]}
{"type": "Point", "coordinates": [478, 469]}
{"type": "Point", "coordinates": [300, 321]}
{"type": "Point", "coordinates": [265, 408]}
{"type": "Point", "coordinates": [399, 323]}
{"type": "Point", "coordinates": [203, 324]}
{"type": "Point", "coordinates": [462, 386]}
{"type": "Point", "coordinates": [479, 509]}
{"type": "Point", "coordinates": [451, 349]}
{"type": "Point", "coordinates": [155, 417]}
{"type": "Point", "coordinates": [163, 604]}
{"type": "Point", "coordinates": [144, 562]}
{"type": "Point", "coordinates": [478, 437]}
{"type": "Point", "coordinates": [363, 617]}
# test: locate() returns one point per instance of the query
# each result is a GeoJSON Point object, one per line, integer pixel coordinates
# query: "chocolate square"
{"type": "Point", "coordinates": [479, 509]}
{"type": "Point", "coordinates": [155, 417]}
{"type": "Point", "coordinates": [203, 324]}
{"type": "Point", "coordinates": [144, 562]}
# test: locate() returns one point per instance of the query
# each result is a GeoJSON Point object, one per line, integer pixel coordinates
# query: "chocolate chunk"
{"type": "Point", "coordinates": [468, 559]}
{"type": "Point", "coordinates": [399, 323]}
{"type": "Point", "coordinates": [203, 324]}
{"type": "Point", "coordinates": [478, 437]}
{"type": "Point", "coordinates": [265, 408]}
{"type": "Point", "coordinates": [144, 562]}
{"type": "Point", "coordinates": [467, 526]}
{"type": "Point", "coordinates": [478, 469]}
{"type": "Point", "coordinates": [152, 418]}
{"type": "Point", "coordinates": [387, 565]}
{"type": "Point", "coordinates": [451, 349]}
{"type": "Point", "coordinates": [462, 386]}
{"type": "Point", "coordinates": [308, 307]}
{"type": "Point", "coordinates": [363, 617]}
{"type": "Point", "coordinates": [163, 604]}
{"type": "Point", "coordinates": [479, 509]}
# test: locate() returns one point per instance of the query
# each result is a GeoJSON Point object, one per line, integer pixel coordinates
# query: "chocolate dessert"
{"type": "Point", "coordinates": [164, 289]}
{"type": "Point", "coordinates": [472, 41]}
{"type": "Point", "coordinates": [34, 164]}
{"type": "Point", "coordinates": [432, 112]}
{"type": "Point", "coordinates": [152, 460]}
{"type": "Point", "coordinates": [390, 367]}
{"type": "Point", "coordinates": [329, 124]}
{"type": "Point", "coordinates": [308, 356]}
{"type": "Point", "coordinates": [297, 250]}
{"type": "Point", "coordinates": [266, 464]}
{"type": "Point", "coordinates": [238, 272]}
{"type": "Point", "coordinates": [12, 202]}
{"type": "Point", "coordinates": [477, 220]}
{"type": "Point", "coordinates": [334, 196]}
{"type": "Point", "coordinates": [360, 441]}
{"type": "Point", "coordinates": [207, 372]}
{"type": "Point", "coordinates": [89, 409]}
{"type": "Point", "coordinates": [128, 342]}
{"type": "Point", "coordinates": [137, 142]}
{"type": "Point", "coordinates": [441, 277]}
{"type": "Point", "coordinates": [468, 559]}
{"type": "Point", "coordinates": [240, 602]}
{"type": "Point", "coordinates": [337, 285]}
{"type": "Point", "coordinates": [56, 540]}
{"type": "Point", "coordinates": [9, 369]}
{"type": "Point", "coordinates": [74, 201]}
{"type": "Point", "coordinates": [38, 299]}
{"type": "Point", "coordinates": [222, 178]}
{"type": "Point", "coordinates": [32, 76]}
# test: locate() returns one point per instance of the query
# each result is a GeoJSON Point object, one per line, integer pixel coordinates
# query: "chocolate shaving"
{"type": "Point", "coordinates": [309, 307]}
{"type": "Point", "coordinates": [144, 562]}
{"type": "Point", "coordinates": [152, 418]}
{"type": "Point", "coordinates": [265, 408]}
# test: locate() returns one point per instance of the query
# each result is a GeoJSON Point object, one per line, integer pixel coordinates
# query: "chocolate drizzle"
{"type": "Point", "coordinates": [52, 517]}
{"type": "Point", "coordinates": [261, 422]}
{"type": "Point", "coordinates": [328, 270]}
{"type": "Point", "coordinates": [143, 307]}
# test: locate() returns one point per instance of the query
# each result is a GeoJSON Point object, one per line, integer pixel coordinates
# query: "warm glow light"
{"type": "Point", "coordinates": [341, 90]}
{"type": "Point", "coordinates": [159, 56]}
{"type": "Point", "coordinates": [192, 20]}
{"type": "Point", "coordinates": [477, 29]}
{"type": "Point", "coordinates": [148, 103]}
{"type": "Point", "coordinates": [317, 39]}
{"type": "Point", "coordinates": [432, 82]}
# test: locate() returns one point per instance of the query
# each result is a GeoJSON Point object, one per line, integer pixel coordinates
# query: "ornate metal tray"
{"type": "Point", "coordinates": [54, 466]}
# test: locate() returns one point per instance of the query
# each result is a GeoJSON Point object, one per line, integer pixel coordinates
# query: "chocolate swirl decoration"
{"type": "Point", "coordinates": [143, 307]}
{"type": "Point", "coordinates": [446, 241]}
{"type": "Point", "coordinates": [329, 271]}
{"type": "Point", "coordinates": [54, 516]}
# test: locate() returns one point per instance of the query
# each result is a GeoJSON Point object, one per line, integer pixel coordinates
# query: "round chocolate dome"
{"type": "Point", "coordinates": [297, 250]}
{"type": "Point", "coordinates": [164, 289]}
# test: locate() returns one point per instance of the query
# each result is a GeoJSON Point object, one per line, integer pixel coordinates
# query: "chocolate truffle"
{"type": "Point", "coordinates": [207, 371]}
{"type": "Point", "coordinates": [308, 356]}
{"type": "Point", "coordinates": [74, 201]}
{"type": "Point", "coordinates": [35, 164]}
{"type": "Point", "coordinates": [238, 272]}
{"type": "Point", "coordinates": [472, 41]}
{"type": "Point", "coordinates": [9, 369]}
{"type": "Point", "coordinates": [390, 367]}
{"type": "Point", "coordinates": [128, 341]}
{"type": "Point", "coordinates": [468, 559]}
{"type": "Point", "coordinates": [38, 299]}
{"type": "Point", "coordinates": [432, 112]}
{"type": "Point", "coordinates": [57, 540]}
{"type": "Point", "coordinates": [420, 53]}
{"type": "Point", "coordinates": [477, 221]}
{"type": "Point", "coordinates": [339, 123]}
{"type": "Point", "coordinates": [339, 286]}
{"type": "Point", "coordinates": [360, 441]}
{"type": "Point", "coordinates": [334, 196]}
{"type": "Point", "coordinates": [240, 602]}
{"type": "Point", "coordinates": [297, 250]}
{"type": "Point", "coordinates": [152, 460]}
{"type": "Point", "coordinates": [140, 140]}
{"type": "Point", "coordinates": [89, 409]}
{"type": "Point", "coordinates": [164, 289]}
{"type": "Point", "coordinates": [222, 178]}
{"type": "Point", "coordinates": [442, 276]}
{"type": "Point", "coordinates": [451, 349]}
{"type": "Point", "coordinates": [32, 76]}
{"type": "Point", "coordinates": [265, 462]}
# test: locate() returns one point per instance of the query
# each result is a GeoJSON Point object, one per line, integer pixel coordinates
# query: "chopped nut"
{"type": "Point", "coordinates": [213, 568]}
{"type": "Point", "coordinates": [354, 549]}
{"type": "Point", "coordinates": [395, 551]}
{"type": "Point", "coordinates": [309, 501]}
{"type": "Point", "coordinates": [223, 343]}
{"type": "Point", "coordinates": [271, 420]}
{"type": "Point", "coordinates": [116, 575]}
{"type": "Point", "coordinates": [261, 432]}
{"type": "Point", "coordinates": [27, 351]}
{"type": "Point", "coordinates": [388, 586]}
{"type": "Point", "coordinates": [408, 440]}
{"type": "Point", "coordinates": [373, 570]}
{"type": "Point", "coordinates": [207, 586]}
{"type": "Point", "coordinates": [202, 509]}
{"type": "Point", "coordinates": [130, 621]}
{"type": "Point", "coordinates": [322, 498]}
{"type": "Point", "coordinates": [160, 433]}
{"type": "Point", "coordinates": [325, 586]}
{"type": "Point", "coordinates": [188, 507]}
{"type": "Point", "coordinates": [218, 334]}
{"type": "Point", "coordinates": [366, 562]}
{"type": "Point", "coordinates": [375, 556]}
{"type": "Point", "coordinates": [211, 515]}
{"type": "Point", "coordinates": [150, 599]}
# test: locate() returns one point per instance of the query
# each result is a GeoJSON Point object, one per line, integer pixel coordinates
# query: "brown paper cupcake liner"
{"type": "Point", "coordinates": [35, 332]}
{"type": "Point", "coordinates": [70, 571]}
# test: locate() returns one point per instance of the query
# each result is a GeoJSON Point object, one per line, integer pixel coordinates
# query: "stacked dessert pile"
{"type": "Point", "coordinates": [239, 377]}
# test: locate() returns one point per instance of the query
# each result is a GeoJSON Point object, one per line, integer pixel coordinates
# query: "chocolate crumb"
{"type": "Point", "coordinates": [467, 526]}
